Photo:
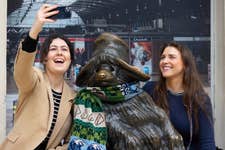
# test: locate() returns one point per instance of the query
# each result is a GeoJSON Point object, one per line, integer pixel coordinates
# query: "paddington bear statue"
{"type": "Point", "coordinates": [111, 111]}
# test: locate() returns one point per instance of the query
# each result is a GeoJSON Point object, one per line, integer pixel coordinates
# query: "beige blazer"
{"type": "Point", "coordinates": [34, 110]}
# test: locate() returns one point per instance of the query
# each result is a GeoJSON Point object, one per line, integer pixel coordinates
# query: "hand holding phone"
{"type": "Point", "coordinates": [64, 13]}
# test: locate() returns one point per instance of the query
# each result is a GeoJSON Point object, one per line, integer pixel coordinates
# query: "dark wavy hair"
{"type": "Point", "coordinates": [45, 46]}
{"type": "Point", "coordinates": [194, 95]}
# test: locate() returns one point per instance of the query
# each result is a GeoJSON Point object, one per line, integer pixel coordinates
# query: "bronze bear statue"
{"type": "Point", "coordinates": [111, 111]}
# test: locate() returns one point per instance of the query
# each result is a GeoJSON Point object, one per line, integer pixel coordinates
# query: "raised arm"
{"type": "Point", "coordinates": [24, 73]}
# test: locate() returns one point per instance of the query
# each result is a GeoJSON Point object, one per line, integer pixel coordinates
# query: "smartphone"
{"type": "Point", "coordinates": [64, 13]}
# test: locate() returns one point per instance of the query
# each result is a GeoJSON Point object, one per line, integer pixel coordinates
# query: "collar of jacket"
{"type": "Point", "coordinates": [65, 107]}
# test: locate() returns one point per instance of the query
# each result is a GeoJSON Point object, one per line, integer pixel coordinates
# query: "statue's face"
{"type": "Point", "coordinates": [104, 76]}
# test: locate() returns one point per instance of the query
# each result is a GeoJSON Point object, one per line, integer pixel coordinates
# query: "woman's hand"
{"type": "Point", "coordinates": [41, 18]}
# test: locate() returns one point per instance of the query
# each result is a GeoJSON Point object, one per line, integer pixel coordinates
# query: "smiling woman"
{"type": "Point", "coordinates": [56, 53]}
{"type": "Point", "coordinates": [179, 92]}
{"type": "Point", "coordinates": [43, 113]}
{"type": "Point", "coordinates": [171, 64]}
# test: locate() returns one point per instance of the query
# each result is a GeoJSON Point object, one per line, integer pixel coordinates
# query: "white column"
{"type": "Point", "coordinates": [218, 68]}
{"type": "Point", "coordinates": [3, 16]}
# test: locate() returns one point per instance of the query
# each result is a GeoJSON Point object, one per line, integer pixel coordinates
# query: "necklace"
{"type": "Point", "coordinates": [176, 93]}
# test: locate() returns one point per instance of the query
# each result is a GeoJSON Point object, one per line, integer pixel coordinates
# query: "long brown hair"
{"type": "Point", "coordinates": [194, 96]}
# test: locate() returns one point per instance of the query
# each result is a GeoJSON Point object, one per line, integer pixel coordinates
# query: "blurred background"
{"type": "Point", "coordinates": [144, 24]}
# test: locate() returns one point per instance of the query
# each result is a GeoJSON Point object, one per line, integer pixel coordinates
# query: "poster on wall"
{"type": "Point", "coordinates": [141, 55]}
{"type": "Point", "coordinates": [80, 52]}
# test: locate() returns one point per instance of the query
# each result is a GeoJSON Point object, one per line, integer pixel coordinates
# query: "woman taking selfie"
{"type": "Point", "coordinates": [180, 93]}
{"type": "Point", "coordinates": [43, 113]}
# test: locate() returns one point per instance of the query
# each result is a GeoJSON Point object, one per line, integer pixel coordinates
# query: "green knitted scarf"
{"type": "Point", "coordinates": [89, 117]}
